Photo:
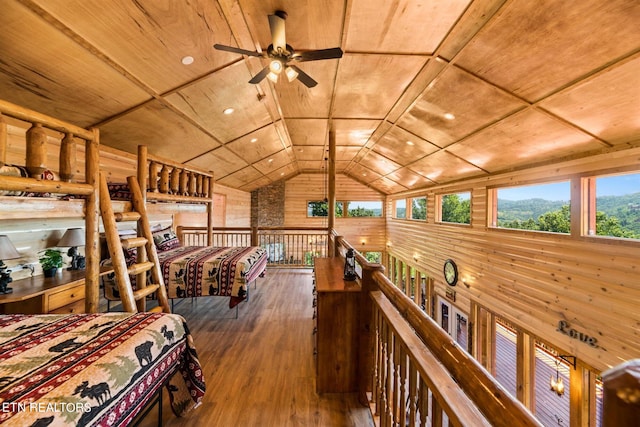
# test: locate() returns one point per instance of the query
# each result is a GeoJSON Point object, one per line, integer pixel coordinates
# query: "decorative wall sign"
{"type": "Point", "coordinates": [563, 327]}
{"type": "Point", "coordinates": [451, 294]}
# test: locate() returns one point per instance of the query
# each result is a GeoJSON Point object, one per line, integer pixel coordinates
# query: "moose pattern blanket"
{"type": "Point", "coordinates": [94, 369]}
{"type": "Point", "coordinates": [193, 271]}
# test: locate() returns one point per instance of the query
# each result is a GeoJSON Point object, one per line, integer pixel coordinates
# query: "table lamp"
{"type": "Point", "coordinates": [73, 238]}
{"type": "Point", "coordinates": [7, 251]}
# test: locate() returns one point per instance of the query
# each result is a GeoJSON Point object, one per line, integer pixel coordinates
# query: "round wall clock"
{"type": "Point", "coordinates": [450, 272]}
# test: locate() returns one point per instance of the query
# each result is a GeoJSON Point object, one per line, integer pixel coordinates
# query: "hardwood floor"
{"type": "Point", "coordinates": [260, 368]}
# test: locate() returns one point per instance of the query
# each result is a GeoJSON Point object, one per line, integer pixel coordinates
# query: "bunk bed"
{"type": "Point", "coordinates": [50, 363]}
{"type": "Point", "coordinates": [189, 271]}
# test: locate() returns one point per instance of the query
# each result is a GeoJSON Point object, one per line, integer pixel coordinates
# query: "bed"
{"type": "Point", "coordinates": [208, 270]}
{"type": "Point", "coordinates": [94, 369]}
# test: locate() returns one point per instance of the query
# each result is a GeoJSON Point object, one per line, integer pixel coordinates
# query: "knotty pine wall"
{"type": "Point", "coordinates": [308, 187]}
{"type": "Point", "coordinates": [536, 279]}
{"type": "Point", "coordinates": [34, 224]}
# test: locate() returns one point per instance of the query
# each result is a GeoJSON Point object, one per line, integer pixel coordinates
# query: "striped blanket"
{"type": "Point", "coordinates": [193, 271]}
{"type": "Point", "coordinates": [94, 369]}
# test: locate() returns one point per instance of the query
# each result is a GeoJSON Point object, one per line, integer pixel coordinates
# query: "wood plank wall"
{"type": "Point", "coordinates": [535, 279]}
{"type": "Point", "coordinates": [309, 187]}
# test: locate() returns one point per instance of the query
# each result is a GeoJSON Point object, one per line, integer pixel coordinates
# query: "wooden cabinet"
{"type": "Point", "coordinates": [62, 294]}
{"type": "Point", "coordinates": [336, 304]}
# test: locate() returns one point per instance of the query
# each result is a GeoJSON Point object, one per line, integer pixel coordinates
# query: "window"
{"type": "Point", "coordinates": [318, 208]}
{"type": "Point", "coordinates": [400, 210]}
{"type": "Point", "coordinates": [456, 208]}
{"type": "Point", "coordinates": [364, 209]}
{"type": "Point", "coordinates": [542, 207]}
{"type": "Point", "coordinates": [419, 208]}
{"type": "Point", "coordinates": [615, 206]}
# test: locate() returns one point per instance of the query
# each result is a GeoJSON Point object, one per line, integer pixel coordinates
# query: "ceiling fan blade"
{"type": "Point", "coordinates": [276, 25]}
{"type": "Point", "coordinates": [304, 78]}
{"type": "Point", "coordinates": [260, 76]}
{"type": "Point", "coordinates": [316, 55]}
{"type": "Point", "coordinates": [237, 50]}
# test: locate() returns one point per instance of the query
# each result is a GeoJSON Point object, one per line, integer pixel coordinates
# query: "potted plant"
{"type": "Point", "coordinates": [51, 261]}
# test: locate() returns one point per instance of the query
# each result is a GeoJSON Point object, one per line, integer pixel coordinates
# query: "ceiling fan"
{"type": "Point", "coordinates": [281, 55]}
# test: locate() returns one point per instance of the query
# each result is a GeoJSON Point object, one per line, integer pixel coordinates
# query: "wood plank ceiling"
{"type": "Point", "coordinates": [427, 92]}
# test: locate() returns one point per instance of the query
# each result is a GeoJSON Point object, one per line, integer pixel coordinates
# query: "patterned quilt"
{"type": "Point", "coordinates": [193, 271]}
{"type": "Point", "coordinates": [94, 369]}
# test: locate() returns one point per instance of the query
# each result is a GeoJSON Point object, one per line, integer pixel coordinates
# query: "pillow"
{"type": "Point", "coordinates": [165, 239]}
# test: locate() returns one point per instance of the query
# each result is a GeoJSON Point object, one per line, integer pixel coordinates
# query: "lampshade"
{"type": "Point", "coordinates": [72, 237]}
{"type": "Point", "coordinates": [7, 250]}
{"type": "Point", "coordinates": [291, 73]}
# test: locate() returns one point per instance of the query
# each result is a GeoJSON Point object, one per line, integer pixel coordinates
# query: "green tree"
{"type": "Point", "coordinates": [558, 221]}
{"type": "Point", "coordinates": [419, 208]}
{"type": "Point", "coordinates": [456, 210]}
{"type": "Point", "coordinates": [610, 226]}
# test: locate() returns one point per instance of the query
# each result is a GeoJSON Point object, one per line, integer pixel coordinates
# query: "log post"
{"type": "Point", "coordinates": [331, 208]}
{"type": "Point", "coordinates": [199, 183]}
{"type": "Point", "coordinates": [193, 191]}
{"type": "Point", "coordinates": [68, 158]}
{"type": "Point", "coordinates": [174, 184]}
{"type": "Point", "coordinates": [164, 180]}
{"type": "Point", "coordinates": [153, 176]}
{"type": "Point", "coordinates": [184, 183]}
{"type": "Point", "coordinates": [36, 150]}
{"type": "Point", "coordinates": [92, 217]}
{"type": "Point", "coordinates": [210, 208]}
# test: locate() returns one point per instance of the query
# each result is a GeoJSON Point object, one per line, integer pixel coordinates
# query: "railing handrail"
{"type": "Point", "coordinates": [455, 403]}
{"type": "Point", "coordinates": [500, 407]}
{"type": "Point", "coordinates": [261, 228]}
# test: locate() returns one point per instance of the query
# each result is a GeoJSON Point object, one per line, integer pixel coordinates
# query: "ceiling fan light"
{"type": "Point", "coordinates": [273, 77]}
{"type": "Point", "coordinates": [291, 74]}
{"type": "Point", "coordinates": [276, 66]}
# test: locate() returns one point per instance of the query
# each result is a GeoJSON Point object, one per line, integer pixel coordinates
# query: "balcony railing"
{"type": "Point", "coordinates": [286, 247]}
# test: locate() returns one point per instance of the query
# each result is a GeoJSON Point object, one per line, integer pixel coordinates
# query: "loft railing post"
{"type": "Point", "coordinates": [366, 344]}
{"type": "Point", "coordinates": [254, 236]}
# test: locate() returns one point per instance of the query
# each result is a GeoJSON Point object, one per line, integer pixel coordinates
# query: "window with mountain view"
{"type": "Point", "coordinates": [456, 208]}
{"type": "Point", "coordinates": [542, 207]}
{"type": "Point", "coordinates": [617, 206]}
{"type": "Point", "coordinates": [320, 208]}
{"type": "Point", "coordinates": [371, 208]}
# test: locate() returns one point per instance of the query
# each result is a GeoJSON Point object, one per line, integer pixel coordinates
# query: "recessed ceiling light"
{"type": "Point", "coordinates": [187, 60]}
{"type": "Point", "coordinates": [254, 139]}
{"type": "Point", "coordinates": [270, 160]}
{"type": "Point", "coordinates": [449, 116]}
{"type": "Point", "coordinates": [227, 110]}
{"type": "Point", "coordinates": [410, 143]}
{"type": "Point", "coordinates": [281, 173]}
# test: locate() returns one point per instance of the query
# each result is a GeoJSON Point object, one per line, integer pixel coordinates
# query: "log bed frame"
{"type": "Point", "coordinates": [35, 158]}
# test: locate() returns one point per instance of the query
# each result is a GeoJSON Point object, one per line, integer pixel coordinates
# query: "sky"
{"type": "Point", "coordinates": [607, 186]}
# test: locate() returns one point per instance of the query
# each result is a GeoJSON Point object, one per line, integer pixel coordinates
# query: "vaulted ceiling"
{"type": "Point", "coordinates": [427, 91]}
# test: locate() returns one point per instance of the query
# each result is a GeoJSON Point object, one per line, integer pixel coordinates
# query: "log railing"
{"type": "Point", "coordinates": [285, 246]}
{"type": "Point", "coordinates": [35, 163]}
{"type": "Point", "coordinates": [412, 372]}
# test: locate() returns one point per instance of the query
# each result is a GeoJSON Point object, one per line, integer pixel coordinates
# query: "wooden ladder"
{"type": "Point", "coordinates": [133, 301]}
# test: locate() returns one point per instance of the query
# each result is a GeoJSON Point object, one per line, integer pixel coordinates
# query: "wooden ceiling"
{"type": "Point", "coordinates": [427, 92]}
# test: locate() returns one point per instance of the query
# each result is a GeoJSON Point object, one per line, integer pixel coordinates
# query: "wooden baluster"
{"type": "Point", "coordinates": [3, 140]}
{"type": "Point", "coordinates": [175, 181]}
{"type": "Point", "coordinates": [153, 177]}
{"type": "Point", "coordinates": [413, 393]}
{"type": "Point", "coordinates": [163, 185]}
{"type": "Point", "coordinates": [192, 184]}
{"type": "Point", "coordinates": [199, 182]}
{"type": "Point", "coordinates": [403, 387]}
{"type": "Point", "coordinates": [184, 183]}
{"type": "Point", "coordinates": [423, 402]}
{"type": "Point", "coordinates": [36, 150]}
{"type": "Point", "coordinates": [205, 187]}
{"type": "Point", "coordinates": [68, 158]}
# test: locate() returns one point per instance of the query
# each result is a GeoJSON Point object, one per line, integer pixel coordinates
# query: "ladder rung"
{"type": "Point", "coordinates": [140, 268]}
{"type": "Point", "coordinates": [156, 309]}
{"type": "Point", "coordinates": [126, 216]}
{"type": "Point", "coordinates": [144, 292]}
{"type": "Point", "coordinates": [133, 242]}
